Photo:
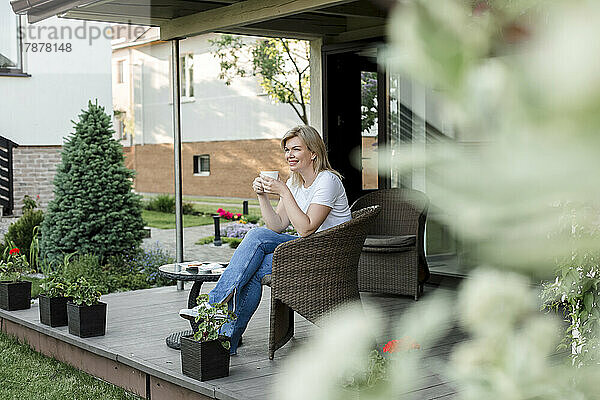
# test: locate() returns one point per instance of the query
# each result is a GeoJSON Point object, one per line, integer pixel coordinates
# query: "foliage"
{"type": "Point", "coordinates": [210, 318]}
{"type": "Point", "coordinates": [238, 230]}
{"type": "Point", "coordinates": [163, 203]}
{"type": "Point", "coordinates": [252, 219]}
{"type": "Point", "coordinates": [377, 366]}
{"type": "Point", "coordinates": [36, 283]}
{"type": "Point", "coordinates": [13, 264]}
{"type": "Point", "coordinates": [83, 293]}
{"type": "Point", "coordinates": [22, 232]}
{"type": "Point", "coordinates": [27, 374]}
{"type": "Point", "coordinates": [188, 208]}
{"type": "Point", "coordinates": [575, 292]}
{"type": "Point", "coordinates": [143, 262]}
{"type": "Point", "coordinates": [205, 240]}
{"type": "Point", "coordinates": [282, 66]}
{"type": "Point", "coordinates": [368, 115]}
{"type": "Point", "coordinates": [166, 203]}
{"type": "Point", "coordinates": [375, 372]}
{"type": "Point", "coordinates": [290, 230]}
{"type": "Point", "coordinates": [54, 285]}
{"type": "Point", "coordinates": [86, 266]}
{"type": "Point", "coordinates": [132, 270]}
{"type": "Point", "coordinates": [94, 209]}
{"type": "Point", "coordinates": [30, 204]}
{"type": "Point", "coordinates": [233, 242]}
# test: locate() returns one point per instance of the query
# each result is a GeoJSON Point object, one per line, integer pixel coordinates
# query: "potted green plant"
{"type": "Point", "coordinates": [15, 293]}
{"type": "Point", "coordinates": [53, 301]}
{"type": "Point", "coordinates": [205, 355]}
{"type": "Point", "coordinates": [86, 314]}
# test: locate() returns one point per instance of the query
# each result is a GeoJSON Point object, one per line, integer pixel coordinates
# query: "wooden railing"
{"type": "Point", "coordinates": [6, 176]}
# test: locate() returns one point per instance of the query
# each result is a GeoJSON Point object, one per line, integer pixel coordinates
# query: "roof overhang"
{"type": "Point", "coordinates": [334, 20]}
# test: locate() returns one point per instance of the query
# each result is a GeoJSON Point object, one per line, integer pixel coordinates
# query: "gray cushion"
{"type": "Point", "coordinates": [390, 241]}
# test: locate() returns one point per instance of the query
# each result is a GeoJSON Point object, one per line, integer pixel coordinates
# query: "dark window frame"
{"type": "Point", "coordinates": [121, 71]}
{"type": "Point", "coordinates": [19, 72]}
{"type": "Point", "coordinates": [202, 164]}
{"type": "Point", "coordinates": [187, 80]}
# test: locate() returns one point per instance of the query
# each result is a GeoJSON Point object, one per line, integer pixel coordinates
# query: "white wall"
{"type": "Point", "coordinates": [38, 110]}
{"type": "Point", "coordinates": [217, 112]}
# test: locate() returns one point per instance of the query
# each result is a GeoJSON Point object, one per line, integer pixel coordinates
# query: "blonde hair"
{"type": "Point", "coordinates": [315, 144]}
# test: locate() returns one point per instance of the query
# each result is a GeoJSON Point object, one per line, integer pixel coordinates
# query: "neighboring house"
{"type": "Point", "coordinates": [229, 132]}
{"type": "Point", "coordinates": [48, 73]}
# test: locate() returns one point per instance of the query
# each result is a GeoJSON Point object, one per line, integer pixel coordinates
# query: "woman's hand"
{"type": "Point", "coordinates": [257, 185]}
{"type": "Point", "coordinates": [273, 186]}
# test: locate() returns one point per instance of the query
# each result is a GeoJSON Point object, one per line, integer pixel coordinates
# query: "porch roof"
{"type": "Point", "coordinates": [334, 20]}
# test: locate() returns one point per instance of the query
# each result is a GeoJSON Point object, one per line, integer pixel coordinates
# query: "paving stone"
{"type": "Point", "coordinates": [165, 238]}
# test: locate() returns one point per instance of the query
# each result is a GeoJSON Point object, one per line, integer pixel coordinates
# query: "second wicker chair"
{"type": "Point", "coordinates": [393, 258]}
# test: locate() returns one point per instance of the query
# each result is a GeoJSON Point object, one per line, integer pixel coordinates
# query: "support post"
{"type": "Point", "coordinates": [245, 207]}
{"type": "Point", "coordinates": [177, 153]}
{"type": "Point", "coordinates": [217, 241]}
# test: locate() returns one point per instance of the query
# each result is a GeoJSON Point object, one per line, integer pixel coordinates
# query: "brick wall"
{"type": "Point", "coordinates": [233, 166]}
{"type": "Point", "coordinates": [34, 168]}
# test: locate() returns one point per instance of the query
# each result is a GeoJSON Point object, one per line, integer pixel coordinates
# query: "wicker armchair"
{"type": "Point", "coordinates": [393, 258]}
{"type": "Point", "coordinates": [315, 274]}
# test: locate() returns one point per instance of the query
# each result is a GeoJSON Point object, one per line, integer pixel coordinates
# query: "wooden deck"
{"type": "Point", "coordinates": [133, 353]}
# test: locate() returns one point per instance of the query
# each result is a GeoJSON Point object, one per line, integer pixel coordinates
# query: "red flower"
{"type": "Point", "coordinates": [220, 210]}
{"type": "Point", "coordinates": [238, 215]}
{"type": "Point", "coordinates": [390, 347]}
{"type": "Point", "coordinates": [14, 251]}
{"type": "Point", "coordinates": [403, 344]}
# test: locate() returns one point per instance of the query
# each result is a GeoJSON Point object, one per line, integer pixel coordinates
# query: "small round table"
{"type": "Point", "coordinates": [179, 272]}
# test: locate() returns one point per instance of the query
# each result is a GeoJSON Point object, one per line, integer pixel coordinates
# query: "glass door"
{"type": "Point", "coordinates": [369, 161]}
{"type": "Point", "coordinates": [416, 121]}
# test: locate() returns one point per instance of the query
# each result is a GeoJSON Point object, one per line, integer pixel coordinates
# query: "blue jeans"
{"type": "Point", "coordinates": [251, 261]}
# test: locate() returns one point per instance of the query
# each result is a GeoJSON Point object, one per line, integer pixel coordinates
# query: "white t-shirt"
{"type": "Point", "coordinates": [327, 189]}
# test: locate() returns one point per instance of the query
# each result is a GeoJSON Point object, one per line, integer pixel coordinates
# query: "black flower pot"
{"type": "Point", "coordinates": [15, 295]}
{"type": "Point", "coordinates": [204, 360]}
{"type": "Point", "coordinates": [53, 310]}
{"type": "Point", "coordinates": [87, 321]}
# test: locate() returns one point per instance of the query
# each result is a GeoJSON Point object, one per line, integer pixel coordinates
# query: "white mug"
{"type": "Point", "coordinates": [270, 174]}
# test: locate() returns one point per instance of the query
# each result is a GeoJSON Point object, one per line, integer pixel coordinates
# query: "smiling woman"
{"type": "Point", "coordinates": [313, 199]}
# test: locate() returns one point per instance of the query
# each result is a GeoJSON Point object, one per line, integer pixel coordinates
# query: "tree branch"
{"type": "Point", "coordinates": [301, 92]}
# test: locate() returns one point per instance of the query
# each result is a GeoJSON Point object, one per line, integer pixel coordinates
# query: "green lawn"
{"type": "Point", "coordinates": [160, 220]}
{"type": "Point", "coordinates": [26, 374]}
{"type": "Point", "coordinates": [219, 201]}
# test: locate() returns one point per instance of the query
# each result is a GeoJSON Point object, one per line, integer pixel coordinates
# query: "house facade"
{"type": "Point", "coordinates": [48, 73]}
{"type": "Point", "coordinates": [229, 132]}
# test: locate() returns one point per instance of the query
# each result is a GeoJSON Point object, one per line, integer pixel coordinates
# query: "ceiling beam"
{"type": "Point", "coordinates": [247, 31]}
{"type": "Point", "coordinates": [239, 14]}
{"type": "Point", "coordinates": [377, 31]}
{"type": "Point", "coordinates": [115, 18]}
{"type": "Point", "coordinates": [361, 8]}
{"type": "Point", "coordinates": [313, 25]}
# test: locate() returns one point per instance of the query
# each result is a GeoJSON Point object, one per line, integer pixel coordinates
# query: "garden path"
{"type": "Point", "coordinates": [165, 238]}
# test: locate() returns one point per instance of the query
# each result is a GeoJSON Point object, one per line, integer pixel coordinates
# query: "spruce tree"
{"type": "Point", "coordinates": [94, 210]}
